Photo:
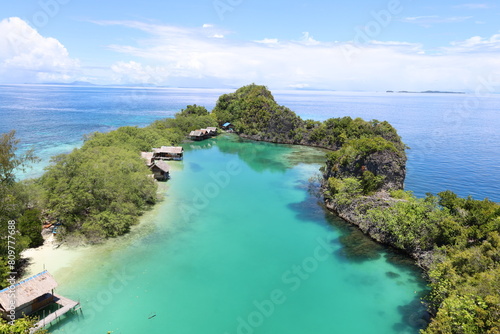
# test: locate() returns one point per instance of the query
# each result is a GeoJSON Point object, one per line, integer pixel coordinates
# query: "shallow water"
{"type": "Point", "coordinates": [240, 245]}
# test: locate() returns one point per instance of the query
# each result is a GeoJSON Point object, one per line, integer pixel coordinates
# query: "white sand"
{"type": "Point", "coordinates": [48, 257]}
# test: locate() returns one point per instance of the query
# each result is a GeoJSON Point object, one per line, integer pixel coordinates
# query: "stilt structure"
{"type": "Point", "coordinates": [32, 295]}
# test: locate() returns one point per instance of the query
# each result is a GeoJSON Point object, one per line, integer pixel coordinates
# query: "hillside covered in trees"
{"type": "Point", "coordinates": [358, 146]}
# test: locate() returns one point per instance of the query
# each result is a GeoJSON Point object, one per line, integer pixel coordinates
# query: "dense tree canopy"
{"type": "Point", "coordinates": [254, 112]}
{"type": "Point", "coordinates": [464, 235]}
{"type": "Point", "coordinates": [193, 110]}
{"type": "Point", "coordinates": [98, 191]}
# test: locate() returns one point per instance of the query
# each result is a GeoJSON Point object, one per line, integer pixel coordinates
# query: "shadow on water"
{"type": "Point", "coordinates": [355, 246]}
{"type": "Point", "coordinates": [195, 167]}
{"type": "Point", "coordinates": [414, 316]}
{"type": "Point", "coordinates": [263, 156]}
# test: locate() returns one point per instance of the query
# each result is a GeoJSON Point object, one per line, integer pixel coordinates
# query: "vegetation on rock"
{"type": "Point", "coordinates": [372, 152]}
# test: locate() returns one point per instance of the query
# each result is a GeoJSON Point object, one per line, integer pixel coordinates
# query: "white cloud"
{"type": "Point", "coordinates": [429, 20]}
{"type": "Point", "coordinates": [175, 56]}
{"type": "Point", "coordinates": [268, 41]}
{"type": "Point", "coordinates": [477, 44]}
{"type": "Point", "coordinates": [208, 25]}
{"type": "Point", "coordinates": [27, 56]}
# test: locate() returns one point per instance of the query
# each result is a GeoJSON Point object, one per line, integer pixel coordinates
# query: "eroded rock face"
{"type": "Point", "coordinates": [390, 164]}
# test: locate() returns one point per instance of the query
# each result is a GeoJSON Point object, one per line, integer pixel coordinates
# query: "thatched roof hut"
{"type": "Point", "coordinates": [28, 295]}
{"type": "Point", "coordinates": [212, 130]}
{"type": "Point", "coordinates": [28, 290]}
{"type": "Point", "coordinates": [168, 153]}
{"type": "Point", "coordinates": [161, 170]}
{"type": "Point", "coordinates": [197, 135]}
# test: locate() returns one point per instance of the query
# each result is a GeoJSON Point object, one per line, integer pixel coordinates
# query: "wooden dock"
{"type": "Point", "coordinates": [67, 305]}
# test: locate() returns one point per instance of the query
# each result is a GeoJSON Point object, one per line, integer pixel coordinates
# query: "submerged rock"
{"type": "Point", "coordinates": [358, 247]}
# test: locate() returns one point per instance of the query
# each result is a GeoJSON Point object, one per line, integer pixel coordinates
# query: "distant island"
{"type": "Point", "coordinates": [425, 92]}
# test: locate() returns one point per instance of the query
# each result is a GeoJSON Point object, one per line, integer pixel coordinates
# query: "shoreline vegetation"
{"type": "Point", "coordinates": [100, 190]}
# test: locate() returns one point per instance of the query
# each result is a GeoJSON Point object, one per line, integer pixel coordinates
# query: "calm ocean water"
{"type": "Point", "coordinates": [240, 245]}
{"type": "Point", "coordinates": [454, 139]}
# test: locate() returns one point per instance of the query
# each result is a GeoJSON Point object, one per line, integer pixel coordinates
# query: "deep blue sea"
{"type": "Point", "coordinates": [454, 139]}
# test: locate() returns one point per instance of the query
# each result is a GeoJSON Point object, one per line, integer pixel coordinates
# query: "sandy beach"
{"type": "Point", "coordinates": [51, 257]}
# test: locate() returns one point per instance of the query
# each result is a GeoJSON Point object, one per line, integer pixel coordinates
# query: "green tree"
{"type": "Point", "coordinates": [20, 326]}
{"type": "Point", "coordinates": [193, 110]}
{"type": "Point", "coordinates": [30, 226]}
{"type": "Point", "coordinates": [10, 161]}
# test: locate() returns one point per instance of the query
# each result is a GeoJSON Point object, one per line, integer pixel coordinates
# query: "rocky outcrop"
{"type": "Point", "coordinates": [355, 211]}
{"type": "Point", "coordinates": [389, 164]}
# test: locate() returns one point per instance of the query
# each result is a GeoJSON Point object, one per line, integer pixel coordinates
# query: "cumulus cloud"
{"type": "Point", "coordinates": [27, 56]}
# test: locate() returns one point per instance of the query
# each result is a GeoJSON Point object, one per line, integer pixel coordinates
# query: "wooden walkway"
{"type": "Point", "coordinates": [67, 305]}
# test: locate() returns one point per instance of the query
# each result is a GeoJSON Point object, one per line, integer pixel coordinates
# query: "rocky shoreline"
{"type": "Point", "coordinates": [393, 167]}
{"type": "Point", "coordinates": [354, 213]}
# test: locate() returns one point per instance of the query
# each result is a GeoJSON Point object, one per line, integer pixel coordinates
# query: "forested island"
{"type": "Point", "coordinates": [100, 190]}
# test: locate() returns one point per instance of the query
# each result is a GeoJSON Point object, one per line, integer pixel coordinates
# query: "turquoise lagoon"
{"type": "Point", "coordinates": [240, 244]}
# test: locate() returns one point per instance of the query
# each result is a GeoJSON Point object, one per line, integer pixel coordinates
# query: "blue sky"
{"type": "Point", "coordinates": [348, 45]}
